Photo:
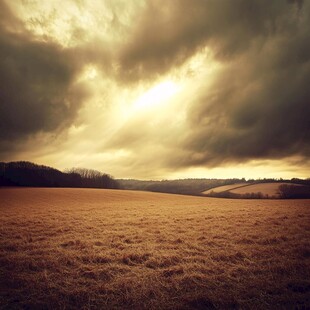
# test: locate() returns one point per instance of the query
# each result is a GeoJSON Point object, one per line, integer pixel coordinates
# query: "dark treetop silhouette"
{"type": "Point", "coordinates": [29, 174]}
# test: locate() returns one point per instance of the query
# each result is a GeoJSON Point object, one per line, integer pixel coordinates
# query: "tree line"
{"type": "Point", "coordinates": [25, 173]}
{"type": "Point", "coordinates": [291, 191]}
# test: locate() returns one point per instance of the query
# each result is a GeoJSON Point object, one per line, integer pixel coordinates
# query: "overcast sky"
{"type": "Point", "coordinates": [157, 89]}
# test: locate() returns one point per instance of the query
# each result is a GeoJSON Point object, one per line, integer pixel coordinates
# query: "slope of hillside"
{"type": "Point", "coordinates": [259, 190]}
{"type": "Point", "coordinates": [270, 189]}
{"type": "Point", "coordinates": [109, 249]}
{"type": "Point", "coordinates": [224, 188]}
{"type": "Point", "coordinates": [181, 186]}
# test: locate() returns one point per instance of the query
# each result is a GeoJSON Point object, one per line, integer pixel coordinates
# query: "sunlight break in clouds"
{"type": "Point", "coordinates": [156, 95]}
{"type": "Point", "coordinates": [157, 89]}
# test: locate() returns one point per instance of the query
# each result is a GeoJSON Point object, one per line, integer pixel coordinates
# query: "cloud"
{"type": "Point", "coordinates": [255, 106]}
{"type": "Point", "coordinates": [168, 33]}
{"type": "Point", "coordinates": [38, 91]}
{"type": "Point", "coordinates": [258, 106]}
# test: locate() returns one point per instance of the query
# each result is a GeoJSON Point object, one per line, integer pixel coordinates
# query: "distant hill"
{"type": "Point", "coordinates": [203, 186]}
{"type": "Point", "coordinates": [25, 173]}
{"type": "Point", "coordinates": [182, 186]}
{"type": "Point", "coordinates": [260, 190]}
{"type": "Point", "coordinates": [225, 188]}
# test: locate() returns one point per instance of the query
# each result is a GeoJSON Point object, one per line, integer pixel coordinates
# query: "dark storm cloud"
{"type": "Point", "coordinates": [37, 91]}
{"type": "Point", "coordinates": [259, 105]}
{"type": "Point", "coordinates": [262, 117]}
{"type": "Point", "coordinates": [169, 32]}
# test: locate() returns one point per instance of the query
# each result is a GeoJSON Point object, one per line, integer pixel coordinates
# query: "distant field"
{"type": "Point", "coordinates": [270, 189]}
{"type": "Point", "coordinates": [109, 249]}
{"type": "Point", "coordinates": [266, 189]}
{"type": "Point", "coordinates": [225, 188]}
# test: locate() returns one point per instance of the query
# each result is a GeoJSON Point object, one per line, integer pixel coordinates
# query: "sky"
{"type": "Point", "coordinates": [156, 89]}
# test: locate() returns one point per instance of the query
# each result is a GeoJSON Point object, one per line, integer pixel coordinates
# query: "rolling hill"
{"type": "Point", "coordinates": [259, 190]}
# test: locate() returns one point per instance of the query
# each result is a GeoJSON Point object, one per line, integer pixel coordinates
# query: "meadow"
{"type": "Point", "coordinates": [273, 190]}
{"type": "Point", "coordinates": [117, 249]}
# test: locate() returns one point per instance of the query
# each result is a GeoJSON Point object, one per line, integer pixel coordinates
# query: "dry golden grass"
{"type": "Point", "coordinates": [105, 249]}
{"type": "Point", "coordinates": [270, 189]}
{"type": "Point", "coordinates": [225, 188]}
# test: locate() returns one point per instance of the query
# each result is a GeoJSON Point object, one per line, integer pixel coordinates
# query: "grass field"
{"type": "Point", "coordinates": [268, 190]}
{"type": "Point", "coordinates": [225, 188]}
{"type": "Point", "coordinates": [108, 249]}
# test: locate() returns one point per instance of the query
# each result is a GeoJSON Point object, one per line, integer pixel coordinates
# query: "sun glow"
{"type": "Point", "coordinates": [156, 95]}
{"type": "Point", "coordinates": [90, 73]}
